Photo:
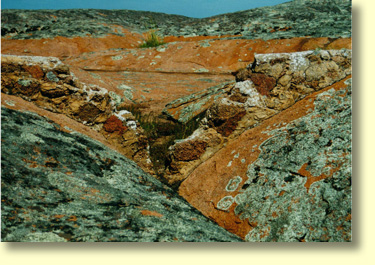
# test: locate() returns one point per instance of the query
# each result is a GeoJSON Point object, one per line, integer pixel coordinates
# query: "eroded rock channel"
{"type": "Point", "coordinates": [234, 128]}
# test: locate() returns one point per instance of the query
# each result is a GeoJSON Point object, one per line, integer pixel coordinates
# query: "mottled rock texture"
{"type": "Point", "coordinates": [287, 179]}
{"type": "Point", "coordinates": [256, 165]}
{"type": "Point", "coordinates": [296, 18]}
{"type": "Point", "coordinates": [180, 71]}
{"type": "Point", "coordinates": [101, 46]}
{"type": "Point", "coordinates": [59, 186]}
{"type": "Point", "coordinates": [49, 84]}
{"type": "Point", "coordinates": [273, 83]}
{"type": "Point", "coordinates": [299, 188]}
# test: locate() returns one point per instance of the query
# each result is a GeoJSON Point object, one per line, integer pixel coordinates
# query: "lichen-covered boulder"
{"type": "Point", "coordinates": [299, 188]}
{"type": "Point", "coordinates": [58, 186]}
{"type": "Point", "coordinates": [287, 179]}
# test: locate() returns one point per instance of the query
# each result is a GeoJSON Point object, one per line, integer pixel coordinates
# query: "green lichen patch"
{"type": "Point", "coordinates": [58, 186]}
{"type": "Point", "coordinates": [117, 58]}
{"type": "Point", "coordinates": [281, 196]}
{"type": "Point", "coordinates": [52, 77]}
{"type": "Point", "coordinates": [24, 82]}
{"type": "Point", "coordinates": [116, 99]}
{"type": "Point", "coordinates": [225, 203]}
{"type": "Point", "coordinates": [233, 184]}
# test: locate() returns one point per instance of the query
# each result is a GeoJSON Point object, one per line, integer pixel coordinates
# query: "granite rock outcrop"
{"type": "Point", "coordinates": [207, 48]}
{"type": "Point", "coordinates": [295, 18]}
{"type": "Point", "coordinates": [273, 83]}
{"type": "Point", "coordinates": [62, 186]}
{"type": "Point", "coordinates": [246, 115]}
{"type": "Point", "coordinates": [50, 85]}
{"type": "Point", "coordinates": [287, 179]}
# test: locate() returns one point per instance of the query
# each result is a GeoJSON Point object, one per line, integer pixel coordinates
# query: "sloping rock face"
{"type": "Point", "coordinates": [227, 167]}
{"type": "Point", "coordinates": [288, 179]}
{"type": "Point", "coordinates": [274, 82]}
{"type": "Point", "coordinates": [295, 18]}
{"type": "Point", "coordinates": [27, 24]}
{"type": "Point", "coordinates": [62, 186]}
{"type": "Point", "coordinates": [101, 46]}
{"type": "Point", "coordinates": [50, 85]}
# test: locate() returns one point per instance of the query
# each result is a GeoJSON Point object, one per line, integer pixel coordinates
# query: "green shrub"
{"type": "Point", "coordinates": [152, 40]}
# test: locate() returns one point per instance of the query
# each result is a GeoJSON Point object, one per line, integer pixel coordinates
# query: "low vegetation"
{"type": "Point", "coordinates": [161, 134]}
{"type": "Point", "coordinates": [152, 39]}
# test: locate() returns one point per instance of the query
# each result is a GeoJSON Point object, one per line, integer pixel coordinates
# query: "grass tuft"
{"type": "Point", "coordinates": [152, 40]}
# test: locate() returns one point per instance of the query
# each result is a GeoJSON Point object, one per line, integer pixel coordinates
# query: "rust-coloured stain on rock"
{"type": "Point", "coordinates": [155, 77]}
{"type": "Point", "coordinates": [151, 213]}
{"type": "Point", "coordinates": [206, 185]}
{"type": "Point", "coordinates": [114, 124]}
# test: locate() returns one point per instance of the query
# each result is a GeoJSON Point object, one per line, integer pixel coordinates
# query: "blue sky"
{"type": "Point", "coordinates": [191, 8]}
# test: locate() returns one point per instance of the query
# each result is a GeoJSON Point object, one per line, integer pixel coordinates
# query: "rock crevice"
{"type": "Point", "coordinates": [273, 83]}
{"type": "Point", "coordinates": [50, 85]}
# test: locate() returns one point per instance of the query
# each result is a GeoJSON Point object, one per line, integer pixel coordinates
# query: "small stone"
{"type": "Point", "coordinates": [52, 77]}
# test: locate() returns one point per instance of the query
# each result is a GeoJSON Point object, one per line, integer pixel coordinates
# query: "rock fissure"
{"type": "Point", "coordinates": [264, 153]}
{"type": "Point", "coordinates": [231, 118]}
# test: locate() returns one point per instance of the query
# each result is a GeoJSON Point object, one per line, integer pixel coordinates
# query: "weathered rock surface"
{"type": "Point", "coordinates": [296, 18]}
{"type": "Point", "coordinates": [28, 24]}
{"type": "Point", "coordinates": [274, 82]}
{"type": "Point", "coordinates": [269, 162]}
{"type": "Point", "coordinates": [288, 179]}
{"type": "Point", "coordinates": [151, 90]}
{"type": "Point", "coordinates": [49, 84]}
{"type": "Point", "coordinates": [148, 76]}
{"type": "Point", "coordinates": [64, 47]}
{"type": "Point", "coordinates": [114, 62]}
{"type": "Point", "coordinates": [62, 186]}
{"type": "Point", "coordinates": [186, 108]}
{"type": "Point", "coordinates": [215, 56]}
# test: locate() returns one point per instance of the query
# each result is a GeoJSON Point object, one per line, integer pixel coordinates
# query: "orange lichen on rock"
{"type": "Point", "coordinates": [63, 47]}
{"type": "Point", "coordinates": [114, 124]}
{"type": "Point", "coordinates": [151, 213]}
{"type": "Point", "coordinates": [59, 216]}
{"type": "Point", "coordinates": [189, 150]}
{"type": "Point", "coordinates": [196, 38]}
{"type": "Point", "coordinates": [311, 179]}
{"type": "Point", "coordinates": [206, 185]}
{"type": "Point", "coordinates": [35, 71]}
{"type": "Point", "coordinates": [72, 218]}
